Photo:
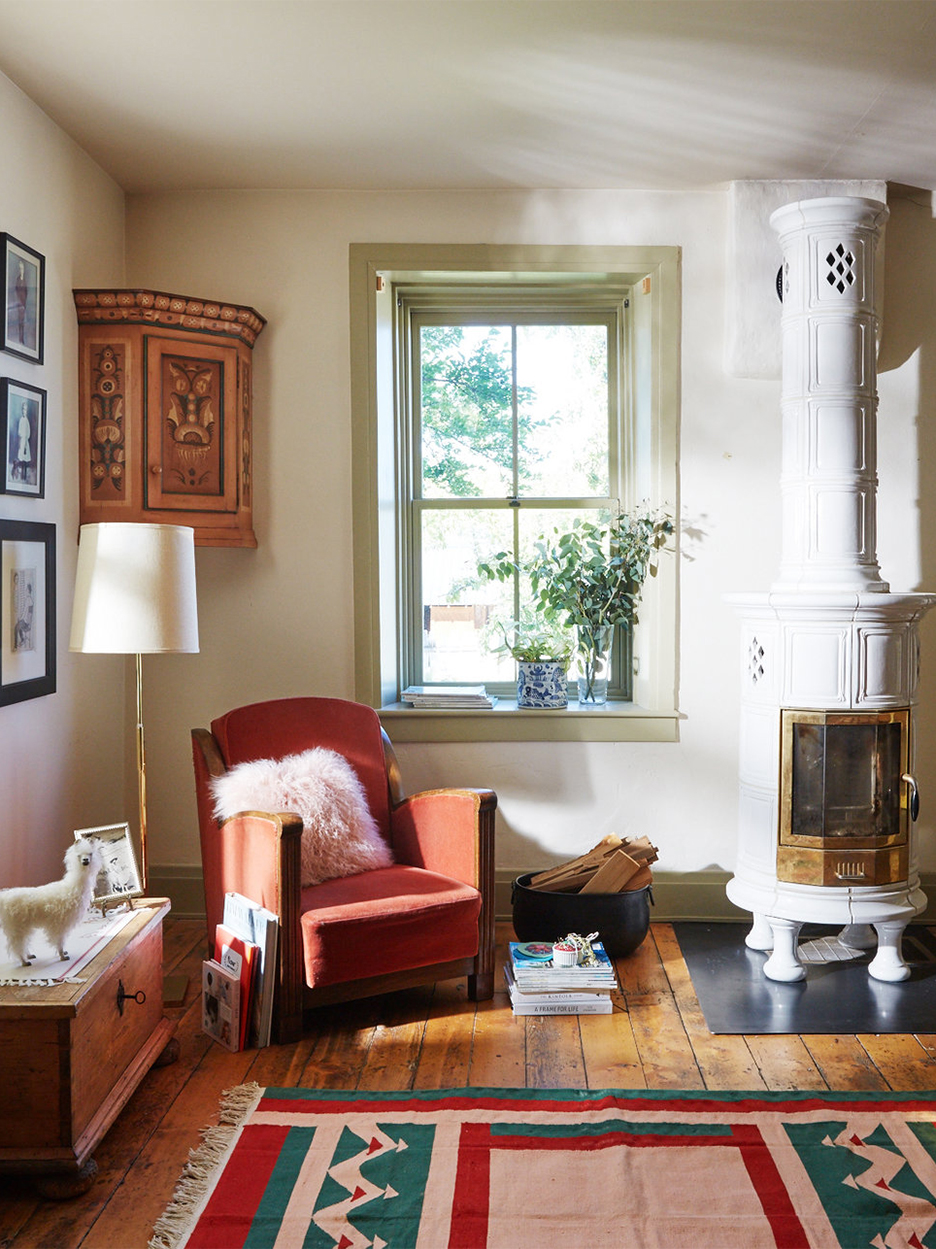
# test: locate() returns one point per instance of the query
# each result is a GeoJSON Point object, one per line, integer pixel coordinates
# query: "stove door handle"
{"type": "Point", "coordinates": [914, 801]}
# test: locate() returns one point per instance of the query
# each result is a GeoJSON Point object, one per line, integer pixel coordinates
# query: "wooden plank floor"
{"type": "Point", "coordinates": [432, 1038]}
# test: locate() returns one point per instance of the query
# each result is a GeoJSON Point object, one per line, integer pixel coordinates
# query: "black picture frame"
{"type": "Point", "coordinates": [23, 434]}
{"type": "Point", "coordinates": [27, 610]}
{"type": "Point", "coordinates": [22, 329]}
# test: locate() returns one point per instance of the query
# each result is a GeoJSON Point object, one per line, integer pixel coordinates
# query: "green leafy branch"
{"type": "Point", "coordinates": [590, 577]}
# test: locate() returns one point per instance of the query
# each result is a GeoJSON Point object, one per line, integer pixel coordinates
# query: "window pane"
{"type": "Point", "coordinates": [459, 612]}
{"type": "Point", "coordinates": [466, 378]}
{"type": "Point", "coordinates": [562, 380]}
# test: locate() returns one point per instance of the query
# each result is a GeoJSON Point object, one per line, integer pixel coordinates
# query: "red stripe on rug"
{"type": "Point", "coordinates": [471, 1199]}
{"type": "Point", "coordinates": [303, 1106]}
{"type": "Point", "coordinates": [230, 1211]}
{"type": "Point", "coordinates": [771, 1190]}
{"type": "Point", "coordinates": [693, 1105]}
{"type": "Point", "coordinates": [607, 1140]}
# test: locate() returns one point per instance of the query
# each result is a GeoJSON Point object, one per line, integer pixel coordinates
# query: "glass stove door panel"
{"type": "Point", "coordinates": [845, 780]}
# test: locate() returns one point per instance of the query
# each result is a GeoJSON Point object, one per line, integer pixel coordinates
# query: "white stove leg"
{"type": "Point", "coordinates": [784, 963]}
{"type": "Point", "coordinates": [888, 963]}
{"type": "Point", "coordinates": [760, 937]}
{"type": "Point", "coordinates": [858, 936]}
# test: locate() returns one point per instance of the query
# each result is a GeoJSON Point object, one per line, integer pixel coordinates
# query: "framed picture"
{"type": "Point", "coordinates": [119, 878]}
{"type": "Point", "coordinates": [23, 429]}
{"type": "Point", "coordinates": [23, 325]}
{"type": "Point", "coordinates": [27, 610]}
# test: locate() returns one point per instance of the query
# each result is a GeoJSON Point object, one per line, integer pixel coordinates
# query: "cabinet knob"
{"type": "Point", "coordinates": [156, 469]}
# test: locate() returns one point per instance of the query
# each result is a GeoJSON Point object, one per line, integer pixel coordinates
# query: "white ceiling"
{"type": "Point", "coordinates": [181, 94]}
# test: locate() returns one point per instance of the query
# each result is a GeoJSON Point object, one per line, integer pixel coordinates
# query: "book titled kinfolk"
{"type": "Point", "coordinates": [595, 1002]}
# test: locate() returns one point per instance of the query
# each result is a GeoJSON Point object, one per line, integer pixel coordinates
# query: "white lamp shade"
{"type": "Point", "coordinates": [135, 590]}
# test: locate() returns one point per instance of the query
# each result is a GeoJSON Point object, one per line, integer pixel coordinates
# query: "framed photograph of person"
{"type": "Point", "coordinates": [23, 429]}
{"type": "Point", "coordinates": [23, 327]}
{"type": "Point", "coordinates": [119, 877]}
{"type": "Point", "coordinates": [27, 610]}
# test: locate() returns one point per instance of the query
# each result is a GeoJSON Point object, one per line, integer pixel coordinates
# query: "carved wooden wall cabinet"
{"type": "Point", "coordinates": [165, 412]}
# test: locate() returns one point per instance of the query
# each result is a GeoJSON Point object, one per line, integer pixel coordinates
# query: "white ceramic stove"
{"type": "Point", "coordinates": [830, 655]}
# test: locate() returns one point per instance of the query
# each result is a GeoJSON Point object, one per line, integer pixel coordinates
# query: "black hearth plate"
{"type": "Point", "coordinates": [837, 995]}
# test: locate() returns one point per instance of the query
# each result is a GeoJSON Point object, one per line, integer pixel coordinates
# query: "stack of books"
{"type": "Point", "coordinates": [448, 696]}
{"type": "Point", "coordinates": [536, 987]}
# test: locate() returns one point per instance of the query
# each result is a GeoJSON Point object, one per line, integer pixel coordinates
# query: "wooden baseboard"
{"type": "Point", "coordinates": [676, 896]}
{"type": "Point", "coordinates": [698, 896]}
{"type": "Point", "coordinates": [182, 885]}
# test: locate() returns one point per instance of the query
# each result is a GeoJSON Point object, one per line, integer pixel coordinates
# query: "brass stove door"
{"type": "Point", "coordinates": [843, 797]}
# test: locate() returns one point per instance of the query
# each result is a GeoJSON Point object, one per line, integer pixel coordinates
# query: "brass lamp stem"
{"type": "Point", "coordinates": [141, 772]}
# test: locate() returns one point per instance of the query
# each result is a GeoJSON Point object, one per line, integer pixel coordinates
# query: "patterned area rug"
{"type": "Point", "coordinates": [531, 1169]}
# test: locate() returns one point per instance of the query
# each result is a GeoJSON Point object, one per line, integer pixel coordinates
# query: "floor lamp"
{"type": "Point", "coordinates": [135, 595]}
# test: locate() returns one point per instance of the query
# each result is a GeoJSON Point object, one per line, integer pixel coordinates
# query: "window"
{"type": "Point", "coordinates": [498, 393]}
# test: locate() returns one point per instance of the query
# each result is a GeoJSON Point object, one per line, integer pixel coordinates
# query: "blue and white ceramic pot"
{"type": "Point", "coordinates": [541, 685]}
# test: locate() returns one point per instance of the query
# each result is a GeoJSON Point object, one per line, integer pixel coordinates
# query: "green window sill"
{"type": "Point", "coordinates": [614, 722]}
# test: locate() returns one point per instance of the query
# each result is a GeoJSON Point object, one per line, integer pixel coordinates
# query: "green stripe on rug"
{"type": "Point", "coordinates": [272, 1207]}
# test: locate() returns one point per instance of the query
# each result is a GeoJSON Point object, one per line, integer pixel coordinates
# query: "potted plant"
{"type": "Point", "coordinates": [589, 578]}
{"type": "Point", "coordinates": [543, 653]}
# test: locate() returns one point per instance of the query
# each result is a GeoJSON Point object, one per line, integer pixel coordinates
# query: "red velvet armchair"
{"type": "Point", "coordinates": [428, 917]}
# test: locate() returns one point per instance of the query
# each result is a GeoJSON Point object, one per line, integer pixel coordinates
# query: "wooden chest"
{"type": "Point", "coordinates": [71, 1055]}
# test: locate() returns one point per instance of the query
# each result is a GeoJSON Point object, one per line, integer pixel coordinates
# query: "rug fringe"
{"type": "Point", "coordinates": [176, 1220]}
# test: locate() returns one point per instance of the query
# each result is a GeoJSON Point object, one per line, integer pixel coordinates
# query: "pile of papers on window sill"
{"type": "Point", "coordinates": [448, 696]}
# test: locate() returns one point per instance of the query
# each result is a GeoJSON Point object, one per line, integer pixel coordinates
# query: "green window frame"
{"type": "Point", "coordinates": [395, 289]}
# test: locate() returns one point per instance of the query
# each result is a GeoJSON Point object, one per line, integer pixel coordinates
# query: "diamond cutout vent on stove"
{"type": "Point", "coordinates": [756, 658]}
{"type": "Point", "coordinates": [841, 274]}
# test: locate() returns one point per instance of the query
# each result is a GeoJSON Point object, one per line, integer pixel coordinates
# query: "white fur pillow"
{"type": "Point", "coordinates": [340, 837]}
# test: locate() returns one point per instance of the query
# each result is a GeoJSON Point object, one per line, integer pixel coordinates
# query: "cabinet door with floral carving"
{"type": "Point", "coordinates": [191, 419]}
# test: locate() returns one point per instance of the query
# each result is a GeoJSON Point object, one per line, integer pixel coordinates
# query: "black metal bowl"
{"type": "Point", "coordinates": [621, 920]}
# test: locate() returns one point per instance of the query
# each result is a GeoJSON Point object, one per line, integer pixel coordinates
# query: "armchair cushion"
{"type": "Point", "coordinates": [387, 921]}
{"type": "Point", "coordinates": [340, 836]}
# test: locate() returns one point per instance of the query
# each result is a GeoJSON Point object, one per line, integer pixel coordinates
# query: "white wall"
{"type": "Point", "coordinates": [278, 621]}
{"type": "Point", "coordinates": [62, 756]}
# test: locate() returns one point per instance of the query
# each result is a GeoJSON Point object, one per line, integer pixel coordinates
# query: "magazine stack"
{"type": "Point", "coordinates": [451, 697]}
{"type": "Point", "coordinates": [238, 983]}
{"type": "Point", "coordinates": [572, 977]}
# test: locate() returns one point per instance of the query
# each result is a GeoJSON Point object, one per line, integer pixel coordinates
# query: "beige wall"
{"type": "Point", "coordinates": [278, 621]}
{"type": "Point", "coordinates": [61, 756]}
